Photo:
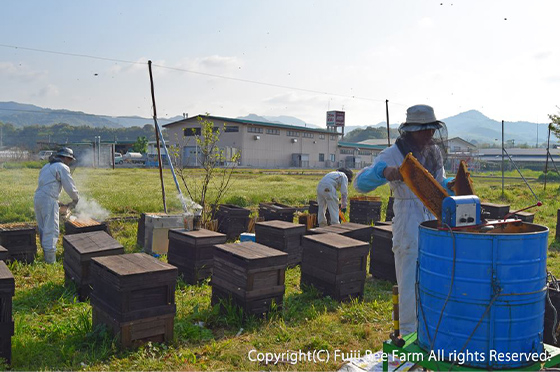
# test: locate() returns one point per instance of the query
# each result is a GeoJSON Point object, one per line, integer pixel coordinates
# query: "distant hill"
{"type": "Point", "coordinates": [21, 115]}
{"type": "Point", "coordinates": [475, 127]}
{"type": "Point", "coordinates": [283, 119]}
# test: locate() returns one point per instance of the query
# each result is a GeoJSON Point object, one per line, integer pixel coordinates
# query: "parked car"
{"type": "Point", "coordinates": [118, 158]}
{"type": "Point", "coordinates": [45, 154]}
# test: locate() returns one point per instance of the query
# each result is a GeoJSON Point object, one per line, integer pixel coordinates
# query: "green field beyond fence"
{"type": "Point", "coordinates": [53, 330]}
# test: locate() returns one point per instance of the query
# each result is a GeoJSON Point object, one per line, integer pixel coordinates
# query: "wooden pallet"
{"type": "Point", "coordinates": [136, 332]}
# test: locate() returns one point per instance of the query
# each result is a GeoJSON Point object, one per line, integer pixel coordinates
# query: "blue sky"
{"type": "Point", "coordinates": [302, 57]}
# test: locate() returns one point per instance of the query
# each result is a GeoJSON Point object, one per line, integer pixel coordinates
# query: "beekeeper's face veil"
{"type": "Point", "coordinates": [424, 136]}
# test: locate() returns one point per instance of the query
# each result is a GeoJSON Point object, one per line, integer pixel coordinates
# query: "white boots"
{"type": "Point", "coordinates": [50, 257]}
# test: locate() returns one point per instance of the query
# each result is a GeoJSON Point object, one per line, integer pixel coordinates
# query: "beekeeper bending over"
{"type": "Point", "coordinates": [327, 196]}
{"type": "Point", "coordinates": [416, 136]}
{"type": "Point", "coordinates": [53, 177]}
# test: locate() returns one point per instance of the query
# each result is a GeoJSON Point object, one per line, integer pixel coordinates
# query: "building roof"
{"type": "Point", "coordinates": [377, 142]}
{"type": "Point", "coordinates": [361, 145]}
{"type": "Point", "coordinates": [459, 139]}
{"type": "Point", "coordinates": [518, 152]}
{"type": "Point", "coordinates": [251, 122]}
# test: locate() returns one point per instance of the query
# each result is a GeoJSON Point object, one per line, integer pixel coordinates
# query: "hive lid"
{"type": "Point", "coordinates": [277, 224]}
{"type": "Point", "coordinates": [250, 250]}
{"type": "Point", "coordinates": [7, 282]}
{"type": "Point", "coordinates": [133, 264]}
{"type": "Point", "coordinates": [336, 241]}
{"type": "Point", "coordinates": [92, 242]}
{"type": "Point", "coordinates": [197, 234]}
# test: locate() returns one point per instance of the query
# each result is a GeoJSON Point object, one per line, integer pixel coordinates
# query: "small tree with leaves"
{"type": "Point", "coordinates": [141, 145]}
{"type": "Point", "coordinates": [208, 188]}
{"type": "Point", "coordinates": [555, 124]}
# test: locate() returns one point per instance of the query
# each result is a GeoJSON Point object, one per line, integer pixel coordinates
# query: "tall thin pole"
{"type": "Point", "coordinates": [388, 131]}
{"type": "Point", "coordinates": [547, 153]}
{"type": "Point", "coordinates": [503, 159]}
{"type": "Point", "coordinates": [157, 136]}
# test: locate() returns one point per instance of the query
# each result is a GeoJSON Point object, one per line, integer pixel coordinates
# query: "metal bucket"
{"type": "Point", "coordinates": [494, 315]}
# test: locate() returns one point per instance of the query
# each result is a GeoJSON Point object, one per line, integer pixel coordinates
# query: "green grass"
{"type": "Point", "coordinates": [53, 330]}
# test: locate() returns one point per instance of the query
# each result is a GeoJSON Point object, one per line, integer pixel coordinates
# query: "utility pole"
{"type": "Point", "coordinates": [1, 136]}
{"type": "Point", "coordinates": [503, 159]}
{"type": "Point", "coordinates": [388, 131]}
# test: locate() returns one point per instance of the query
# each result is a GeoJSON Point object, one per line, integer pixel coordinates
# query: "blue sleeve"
{"type": "Point", "coordinates": [370, 178]}
{"type": "Point", "coordinates": [445, 185]}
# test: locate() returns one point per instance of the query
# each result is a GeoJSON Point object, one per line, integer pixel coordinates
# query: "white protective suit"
{"type": "Point", "coordinates": [328, 198]}
{"type": "Point", "coordinates": [409, 213]}
{"type": "Point", "coordinates": [52, 178]}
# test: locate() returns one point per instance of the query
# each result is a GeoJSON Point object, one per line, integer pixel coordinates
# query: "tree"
{"type": "Point", "coordinates": [217, 168]}
{"type": "Point", "coordinates": [141, 145]}
{"type": "Point", "coordinates": [555, 125]}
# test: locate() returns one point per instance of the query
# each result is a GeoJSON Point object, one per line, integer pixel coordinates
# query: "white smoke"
{"type": "Point", "coordinates": [90, 209]}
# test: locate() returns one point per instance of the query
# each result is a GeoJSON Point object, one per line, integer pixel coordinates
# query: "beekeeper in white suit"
{"type": "Point", "coordinates": [416, 136]}
{"type": "Point", "coordinates": [327, 197]}
{"type": "Point", "coordinates": [53, 177]}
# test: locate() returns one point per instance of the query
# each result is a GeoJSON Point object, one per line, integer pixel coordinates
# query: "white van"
{"type": "Point", "coordinates": [45, 154]}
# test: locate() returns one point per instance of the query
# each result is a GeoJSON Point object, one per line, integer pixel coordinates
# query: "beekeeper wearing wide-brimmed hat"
{"type": "Point", "coordinates": [416, 136]}
{"type": "Point", "coordinates": [54, 176]}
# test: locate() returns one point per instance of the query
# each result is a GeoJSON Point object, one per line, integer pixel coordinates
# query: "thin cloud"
{"type": "Point", "coordinates": [20, 72]}
{"type": "Point", "coordinates": [50, 90]}
{"type": "Point", "coordinates": [426, 22]}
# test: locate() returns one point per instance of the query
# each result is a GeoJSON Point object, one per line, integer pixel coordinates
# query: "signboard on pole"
{"type": "Point", "coordinates": [335, 118]}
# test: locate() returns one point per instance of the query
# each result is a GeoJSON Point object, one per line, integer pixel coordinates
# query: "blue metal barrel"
{"type": "Point", "coordinates": [493, 317]}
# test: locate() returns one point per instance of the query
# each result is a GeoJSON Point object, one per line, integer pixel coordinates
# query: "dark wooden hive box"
{"type": "Point", "coordinates": [496, 211]}
{"type": "Point", "coordinates": [365, 210]}
{"type": "Point", "coordinates": [276, 211]}
{"type": "Point", "coordinates": [79, 249]}
{"type": "Point", "coordinates": [20, 242]}
{"type": "Point", "coordinates": [282, 235]}
{"type": "Point", "coordinates": [334, 264]}
{"type": "Point", "coordinates": [350, 229]}
{"type": "Point", "coordinates": [76, 228]}
{"type": "Point", "coordinates": [133, 286]}
{"type": "Point", "coordinates": [250, 272]}
{"type": "Point", "coordinates": [382, 259]}
{"type": "Point", "coordinates": [192, 252]}
{"type": "Point", "coordinates": [3, 253]}
{"type": "Point", "coordinates": [7, 290]}
{"type": "Point", "coordinates": [525, 216]}
{"type": "Point", "coordinates": [314, 209]}
{"type": "Point", "coordinates": [232, 220]}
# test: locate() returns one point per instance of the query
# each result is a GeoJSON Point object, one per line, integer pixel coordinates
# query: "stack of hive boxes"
{"type": "Point", "coordinates": [192, 252]}
{"type": "Point", "coordinates": [79, 249]}
{"type": "Point", "coordinates": [20, 241]}
{"type": "Point", "coordinates": [250, 275]}
{"type": "Point", "coordinates": [382, 259]}
{"type": "Point", "coordinates": [365, 209]}
{"type": "Point", "coordinates": [276, 211]}
{"type": "Point", "coordinates": [134, 296]}
{"type": "Point", "coordinates": [232, 220]}
{"type": "Point", "coordinates": [281, 235]}
{"type": "Point", "coordinates": [335, 265]}
{"type": "Point", "coordinates": [352, 230]}
{"type": "Point", "coordinates": [7, 289]}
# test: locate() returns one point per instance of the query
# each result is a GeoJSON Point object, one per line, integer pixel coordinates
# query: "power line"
{"type": "Point", "coordinates": [193, 72]}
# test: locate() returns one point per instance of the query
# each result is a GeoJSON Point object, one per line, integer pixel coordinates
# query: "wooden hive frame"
{"type": "Point", "coordinates": [423, 185]}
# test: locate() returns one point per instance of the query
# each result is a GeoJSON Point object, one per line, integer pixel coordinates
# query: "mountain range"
{"type": "Point", "coordinates": [472, 125]}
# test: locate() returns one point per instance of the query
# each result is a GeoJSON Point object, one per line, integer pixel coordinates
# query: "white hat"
{"type": "Point", "coordinates": [66, 152]}
{"type": "Point", "coordinates": [420, 117]}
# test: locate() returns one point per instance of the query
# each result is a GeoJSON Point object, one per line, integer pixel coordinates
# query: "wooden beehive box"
{"type": "Point", "coordinates": [365, 209]}
{"type": "Point", "coordinates": [192, 252]}
{"type": "Point", "coordinates": [20, 241]}
{"type": "Point", "coordinates": [133, 286]}
{"type": "Point", "coordinates": [496, 211]}
{"type": "Point", "coordinates": [335, 265]}
{"type": "Point", "coordinates": [525, 216]}
{"type": "Point", "coordinates": [250, 274]}
{"type": "Point", "coordinates": [7, 289]}
{"type": "Point", "coordinates": [79, 249]}
{"type": "Point", "coordinates": [350, 229]}
{"type": "Point", "coordinates": [382, 259]}
{"type": "Point", "coordinates": [85, 225]}
{"type": "Point", "coordinates": [3, 253]}
{"type": "Point", "coordinates": [281, 235]}
{"type": "Point", "coordinates": [276, 211]}
{"type": "Point", "coordinates": [232, 220]}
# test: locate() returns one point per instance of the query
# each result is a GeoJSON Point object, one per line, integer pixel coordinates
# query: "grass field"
{"type": "Point", "coordinates": [53, 330]}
